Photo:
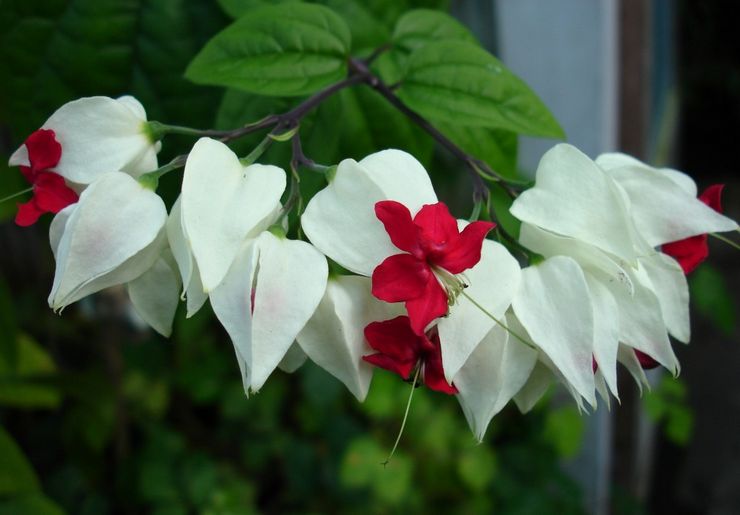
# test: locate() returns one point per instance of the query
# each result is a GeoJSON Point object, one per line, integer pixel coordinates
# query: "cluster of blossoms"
{"type": "Point", "coordinates": [422, 294]}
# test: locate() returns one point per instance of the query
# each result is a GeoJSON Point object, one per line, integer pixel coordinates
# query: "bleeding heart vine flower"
{"type": "Point", "coordinates": [98, 135]}
{"type": "Point", "coordinates": [341, 221]}
{"type": "Point", "coordinates": [692, 251]}
{"type": "Point", "coordinates": [269, 293]}
{"type": "Point", "coordinates": [50, 193]}
{"type": "Point", "coordinates": [404, 352]}
{"type": "Point", "coordinates": [223, 203]}
{"type": "Point", "coordinates": [111, 236]}
{"type": "Point", "coordinates": [424, 277]}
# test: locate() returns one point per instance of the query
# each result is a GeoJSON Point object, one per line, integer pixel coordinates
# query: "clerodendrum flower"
{"type": "Point", "coordinates": [98, 135]}
{"type": "Point", "coordinates": [113, 235]}
{"type": "Point", "coordinates": [608, 222]}
{"type": "Point", "coordinates": [222, 204]}
{"type": "Point", "coordinates": [352, 222]}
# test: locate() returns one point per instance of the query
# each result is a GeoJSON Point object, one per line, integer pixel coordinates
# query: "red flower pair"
{"type": "Point", "coordinates": [50, 193]}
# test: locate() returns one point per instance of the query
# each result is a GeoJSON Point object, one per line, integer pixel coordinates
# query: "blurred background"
{"type": "Point", "coordinates": [100, 415]}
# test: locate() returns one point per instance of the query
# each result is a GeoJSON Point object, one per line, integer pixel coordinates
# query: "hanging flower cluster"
{"type": "Point", "coordinates": [422, 294]}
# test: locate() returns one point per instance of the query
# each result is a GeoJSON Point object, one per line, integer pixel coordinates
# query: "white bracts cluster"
{"type": "Point", "coordinates": [602, 291]}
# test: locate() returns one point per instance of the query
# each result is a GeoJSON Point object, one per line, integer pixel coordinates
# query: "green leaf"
{"type": "Point", "coordinates": [54, 51]}
{"type": "Point", "coordinates": [501, 202]}
{"type": "Point", "coordinates": [420, 27]}
{"type": "Point", "coordinates": [712, 298]}
{"type": "Point", "coordinates": [496, 147]}
{"type": "Point", "coordinates": [30, 505]}
{"type": "Point", "coordinates": [564, 430]}
{"type": "Point", "coordinates": [368, 32]}
{"type": "Point", "coordinates": [21, 386]}
{"type": "Point", "coordinates": [280, 50]}
{"type": "Point", "coordinates": [477, 467]}
{"type": "Point", "coordinates": [460, 83]}
{"type": "Point", "coordinates": [16, 474]}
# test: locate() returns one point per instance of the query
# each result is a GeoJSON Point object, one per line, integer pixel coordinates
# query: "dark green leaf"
{"type": "Point", "coordinates": [501, 203]}
{"type": "Point", "coordinates": [16, 475]}
{"type": "Point", "coordinates": [368, 32]}
{"type": "Point", "coordinates": [30, 505]}
{"type": "Point", "coordinates": [423, 26]}
{"type": "Point", "coordinates": [496, 147]}
{"type": "Point", "coordinates": [458, 82]}
{"type": "Point", "coordinates": [712, 298]}
{"type": "Point", "coordinates": [280, 50]}
{"type": "Point", "coordinates": [8, 328]}
{"type": "Point", "coordinates": [53, 51]}
{"type": "Point", "coordinates": [20, 386]}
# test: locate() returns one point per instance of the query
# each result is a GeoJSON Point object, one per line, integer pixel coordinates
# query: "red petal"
{"type": "Point", "coordinates": [402, 368]}
{"type": "Point", "coordinates": [28, 174]}
{"type": "Point", "coordinates": [394, 338]}
{"type": "Point", "coordinates": [712, 196]}
{"type": "Point", "coordinates": [432, 304]}
{"type": "Point", "coordinates": [434, 376]}
{"type": "Point", "coordinates": [397, 221]}
{"type": "Point", "coordinates": [689, 252]}
{"type": "Point", "coordinates": [51, 192]}
{"type": "Point", "coordinates": [437, 227]}
{"type": "Point", "coordinates": [646, 362]}
{"type": "Point", "coordinates": [400, 277]}
{"type": "Point", "coordinates": [44, 151]}
{"type": "Point", "coordinates": [465, 252]}
{"type": "Point", "coordinates": [28, 213]}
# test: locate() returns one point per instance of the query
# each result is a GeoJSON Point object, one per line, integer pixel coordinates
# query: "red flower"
{"type": "Point", "coordinates": [690, 252]}
{"type": "Point", "coordinates": [50, 193]}
{"type": "Point", "coordinates": [436, 250]}
{"type": "Point", "coordinates": [401, 350]}
{"type": "Point", "coordinates": [646, 362]}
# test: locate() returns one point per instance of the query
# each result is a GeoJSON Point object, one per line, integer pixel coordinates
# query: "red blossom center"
{"type": "Point", "coordinates": [50, 193]}
{"type": "Point", "coordinates": [434, 250]}
{"type": "Point", "coordinates": [400, 350]}
{"type": "Point", "coordinates": [691, 252]}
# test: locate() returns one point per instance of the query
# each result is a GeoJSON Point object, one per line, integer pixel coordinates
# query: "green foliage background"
{"type": "Point", "coordinates": [101, 416]}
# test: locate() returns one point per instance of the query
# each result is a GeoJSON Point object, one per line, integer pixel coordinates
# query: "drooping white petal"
{"type": "Point", "coordinates": [492, 284]}
{"type": "Point", "coordinates": [537, 384]}
{"type": "Point", "coordinates": [56, 228]}
{"type": "Point", "coordinates": [222, 201]}
{"type": "Point", "coordinates": [288, 279]}
{"type": "Point", "coordinates": [611, 160]}
{"type": "Point", "coordinates": [19, 157]}
{"type": "Point", "coordinates": [662, 210]}
{"type": "Point", "coordinates": [293, 359]}
{"type": "Point", "coordinates": [606, 330]}
{"type": "Point", "coordinates": [590, 258]}
{"type": "Point", "coordinates": [114, 234]}
{"type": "Point", "coordinates": [668, 282]}
{"type": "Point", "coordinates": [340, 219]}
{"type": "Point", "coordinates": [497, 369]}
{"type": "Point", "coordinates": [574, 197]}
{"type": "Point", "coordinates": [98, 135]}
{"type": "Point", "coordinates": [334, 336]}
{"type": "Point", "coordinates": [554, 306]}
{"type": "Point", "coordinates": [156, 292]}
{"type": "Point", "coordinates": [626, 356]}
{"type": "Point", "coordinates": [602, 388]}
{"type": "Point", "coordinates": [641, 324]}
{"type": "Point", "coordinates": [193, 288]}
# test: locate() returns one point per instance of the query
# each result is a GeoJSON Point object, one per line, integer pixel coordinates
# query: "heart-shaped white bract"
{"type": "Point", "coordinates": [340, 219]}
{"type": "Point", "coordinates": [287, 280]}
{"type": "Point", "coordinates": [497, 369]}
{"type": "Point", "coordinates": [573, 197]}
{"type": "Point", "coordinates": [156, 292]}
{"type": "Point", "coordinates": [111, 236]}
{"type": "Point", "coordinates": [334, 337]}
{"type": "Point", "coordinates": [99, 135]}
{"type": "Point", "coordinates": [223, 204]}
{"type": "Point", "coordinates": [663, 202]}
